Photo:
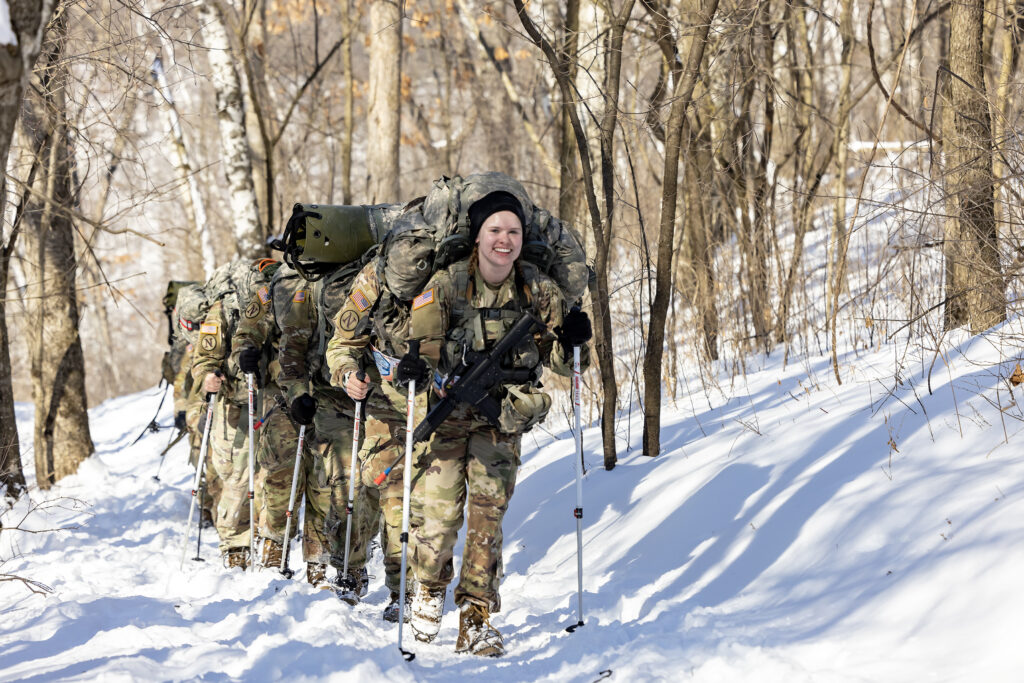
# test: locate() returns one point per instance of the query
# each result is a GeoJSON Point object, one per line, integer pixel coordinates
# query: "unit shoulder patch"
{"type": "Point", "coordinates": [252, 310]}
{"type": "Point", "coordinates": [348, 320]}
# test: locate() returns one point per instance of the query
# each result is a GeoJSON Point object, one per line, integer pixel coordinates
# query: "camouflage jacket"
{"type": "Point", "coordinates": [183, 380]}
{"type": "Point", "coordinates": [298, 353]}
{"type": "Point", "coordinates": [262, 323]}
{"type": "Point", "coordinates": [362, 343]}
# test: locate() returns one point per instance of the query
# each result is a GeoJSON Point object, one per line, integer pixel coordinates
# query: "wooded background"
{"type": "Point", "coordinates": [720, 158]}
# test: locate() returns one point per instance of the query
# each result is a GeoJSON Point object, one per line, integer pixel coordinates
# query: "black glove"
{"type": "Point", "coordinates": [303, 409]}
{"type": "Point", "coordinates": [412, 368]}
{"type": "Point", "coordinates": [249, 360]}
{"type": "Point", "coordinates": [575, 329]}
{"type": "Point", "coordinates": [179, 421]}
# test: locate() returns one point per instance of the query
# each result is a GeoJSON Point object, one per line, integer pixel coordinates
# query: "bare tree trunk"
{"type": "Point", "coordinates": [675, 136]}
{"type": "Point", "coordinates": [836, 260]}
{"type": "Point", "coordinates": [237, 158]}
{"type": "Point", "coordinates": [62, 438]}
{"type": "Point", "coordinates": [970, 181]}
{"type": "Point", "coordinates": [347, 25]}
{"type": "Point", "coordinates": [194, 206]}
{"type": "Point", "coordinates": [383, 124]}
{"type": "Point", "coordinates": [28, 21]}
{"type": "Point", "coordinates": [1009, 51]}
{"type": "Point", "coordinates": [569, 175]}
{"type": "Point", "coordinates": [599, 292]}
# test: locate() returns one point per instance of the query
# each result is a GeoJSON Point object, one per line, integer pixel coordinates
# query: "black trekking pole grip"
{"type": "Point", "coordinates": [361, 376]}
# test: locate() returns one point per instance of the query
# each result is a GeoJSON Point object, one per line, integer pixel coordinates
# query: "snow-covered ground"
{"type": "Point", "coordinates": [794, 529]}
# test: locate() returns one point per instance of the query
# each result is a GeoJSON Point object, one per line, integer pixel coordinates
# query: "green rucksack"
{"type": "Point", "coordinates": [320, 237]}
{"type": "Point", "coordinates": [433, 232]}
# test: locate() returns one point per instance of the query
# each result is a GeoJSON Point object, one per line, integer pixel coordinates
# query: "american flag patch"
{"type": "Point", "coordinates": [208, 328]}
{"type": "Point", "coordinates": [300, 296]}
{"type": "Point", "coordinates": [359, 299]}
{"type": "Point", "coordinates": [264, 295]}
{"type": "Point", "coordinates": [423, 299]}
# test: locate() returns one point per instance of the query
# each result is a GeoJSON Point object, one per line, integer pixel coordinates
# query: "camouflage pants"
{"type": "Point", "coordinates": [334, 444]}
{"type": "Point", "coordinates": [229, 462]}
{"type": "Point", "coordinates": [385, 441]}
{"type": "Point", "coordinates": [474, 468]}
{"type": "Point", "coordinates": [275, 454]}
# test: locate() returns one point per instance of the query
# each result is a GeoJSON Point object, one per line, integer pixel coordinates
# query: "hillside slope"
{"type": "Point", "coordinates": [794, 529]}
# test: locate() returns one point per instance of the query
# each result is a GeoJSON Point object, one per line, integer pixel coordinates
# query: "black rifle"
{"type": "Point", "coordinates": [476, 376]}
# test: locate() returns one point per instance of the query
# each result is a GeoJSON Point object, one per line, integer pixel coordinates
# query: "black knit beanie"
{"type": "Point", "coordinates": [492, 203]}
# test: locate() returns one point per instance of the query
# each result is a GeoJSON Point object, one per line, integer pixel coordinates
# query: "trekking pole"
{"type": "Point", "coordinates": [291, 504]}
{"type": "Point", "coordinates": [578, 512]}
{"type": "Point", "coordinates": [350, 505]}
{"type": "Point", "coordinates": [252, 476]}
{"type": "Point", "coordinates": [199, 473]}
{"type": "Point", "coordinates": [203, 485]}
{"type": "Point", "coordinates": [414, 351]}
{"type": "Point", "coordinates": [153, 425]}
{"type": "Point", "coordinates": [168, 447]}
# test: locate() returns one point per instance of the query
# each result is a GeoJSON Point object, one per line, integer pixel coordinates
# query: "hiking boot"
{"type": "Point", "coordinates": [392, 610]}
{"type": "Point", "coordinates": [476, 635]}
{"type": "Point", "coordinates": [425, 618]}
{"type": "Point", "coordinates": [236, 557]}
{"type": "Point", "coordinates": [352, 587]}
{"type": "Point", "coordinates": [316, 575]}
{"type": "Point", "coordinates": [271, 553]}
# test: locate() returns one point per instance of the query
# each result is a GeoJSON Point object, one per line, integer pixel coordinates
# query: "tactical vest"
{"type": "Point", "coordinates": [329, 294]}
{"type": "Point", "coordinates": [478, 329]}
{"type": "Point", "coordinates": [282, 288]}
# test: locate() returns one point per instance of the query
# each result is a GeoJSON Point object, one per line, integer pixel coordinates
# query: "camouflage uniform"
{"type": "Point", "coordinates": [260, 328]}
{"type": "Point", "coordinates": [228, 445]}
{"type": "Point", "coordinates": [472, 463]}
{"type": "Point", "coordinates": [353, 348]}
{"type": "Point", "coordinates": [303, 372]}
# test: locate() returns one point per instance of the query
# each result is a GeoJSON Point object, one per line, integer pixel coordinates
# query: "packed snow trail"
{"type": "Point", "coordinates": [793, 530]}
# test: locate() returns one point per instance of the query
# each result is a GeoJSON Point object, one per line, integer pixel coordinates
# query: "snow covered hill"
{"type": "Point", "coordinates": [794, 529]}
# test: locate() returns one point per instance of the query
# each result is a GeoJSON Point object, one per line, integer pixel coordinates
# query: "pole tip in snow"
{"type": "Point", "coordinates": [406, 655]}
{"type": "Point", "coordinates": [572, 629]}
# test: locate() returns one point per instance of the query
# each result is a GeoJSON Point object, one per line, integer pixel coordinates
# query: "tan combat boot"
{"type": "Point", "coordinates": [316, 575]}
{"type": "Point", "coordinates": [476, 635]}
{"type": "Point", "coordinates": [271, 553]}
{"type": "Point", "coordinates": [237, 557]}
{"type": "Point", "coordinates": [427, 606]}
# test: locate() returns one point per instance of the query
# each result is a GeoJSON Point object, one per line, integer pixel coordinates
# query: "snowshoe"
{"type": "Point", "coordinates": [352, 587]}
{"type": "Point", "coordinates": [392, 610]}
{"type": "Point", "coordinates": [476, 635]}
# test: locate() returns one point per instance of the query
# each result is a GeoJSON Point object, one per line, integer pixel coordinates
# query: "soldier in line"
{"type": "Point", "coordinates": [258, 338]}
{"type": "Point", "coordinates": [370, 332]}
{"type": "Point", "coordinates": [215, 371]}
{"type": "Point", "coordinates": [306, 382]}
{"type": "Point", "coordinates": [472, 463]}
{"type": "Point", "coordinates": [190, 308]}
